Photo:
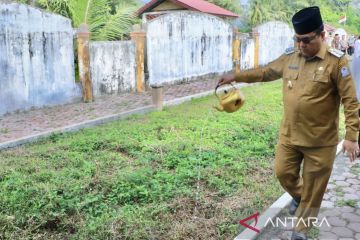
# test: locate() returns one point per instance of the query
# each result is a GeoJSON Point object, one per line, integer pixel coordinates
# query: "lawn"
{"type": "Point", "coordinates": [188, 172]}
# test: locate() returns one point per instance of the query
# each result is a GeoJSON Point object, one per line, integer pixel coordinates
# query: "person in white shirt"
{"type": "Point", "coordinates": [355, 66]}
{"type": "Point", "coordinates": [343, 44]}
{"type": "Point", "coordinates": [336, 42]}
{"type": "Point", "coordinates": [351, 42]}
{"type": "Point", "coordinates": [357, 47]}
{"type": "Point", "coordinates": [355, 69]}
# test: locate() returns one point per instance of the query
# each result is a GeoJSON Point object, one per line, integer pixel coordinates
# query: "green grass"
{"type": "Point", "coordinates": [339, 191]}
{"type": "Point", "coordinates": [4, 130]}
{"type": "Point", "coordinates": [313, 233]}
{"type": "Point", "coordinates": [186, 172]}
{"type": "Point", "coordinates": [355, 169]}
{"type": "Point", "coordinates": [348, 203]}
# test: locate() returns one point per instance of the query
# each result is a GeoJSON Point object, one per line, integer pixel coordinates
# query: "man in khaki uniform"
{"type": "Point", "coordinates": [316, 79]}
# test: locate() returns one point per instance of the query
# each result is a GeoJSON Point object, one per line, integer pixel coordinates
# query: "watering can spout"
{"type": "Point", "coordinates": [219, 108]}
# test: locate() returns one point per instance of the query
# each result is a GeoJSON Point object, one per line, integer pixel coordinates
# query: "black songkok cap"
{"type": "Point", "coordinates": [307, 20]}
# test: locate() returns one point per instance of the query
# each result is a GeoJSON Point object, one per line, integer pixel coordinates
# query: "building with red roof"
{"type": "Point", "coordinates": [328, 28]}
{"type": "Point", "coordinates": [158, 7]}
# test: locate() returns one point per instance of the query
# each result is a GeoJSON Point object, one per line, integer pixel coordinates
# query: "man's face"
{"type": "Point", "coordinates": [309, 44]}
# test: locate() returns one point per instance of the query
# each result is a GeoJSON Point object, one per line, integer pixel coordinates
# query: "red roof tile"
{"type": "Point", "coordinates": [329, 28]}
{"type": "Point", "coordinates": [195, 5]}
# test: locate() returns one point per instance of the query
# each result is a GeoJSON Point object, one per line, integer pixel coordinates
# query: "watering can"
{"type": "Point", "coordinates": [231, 101]}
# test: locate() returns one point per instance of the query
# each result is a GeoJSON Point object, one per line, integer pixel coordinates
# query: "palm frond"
{"type": "Point", "coordinates": [118, 24]}
{"type": "Point", "coordinates": [98, 15]}
{"type": "Point", "coordinates": [62, 7]}
{"type": "Point", "coordinates": [78, 11]}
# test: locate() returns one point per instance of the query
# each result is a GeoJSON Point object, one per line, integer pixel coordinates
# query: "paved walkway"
{"type": "Point", "coordinates": [340, 206]}
{"type": "Point", "coordinates": [21, 124]}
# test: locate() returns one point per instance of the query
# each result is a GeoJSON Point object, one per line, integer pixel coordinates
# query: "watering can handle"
{"type": "Point", "coordinates": [217, 86]}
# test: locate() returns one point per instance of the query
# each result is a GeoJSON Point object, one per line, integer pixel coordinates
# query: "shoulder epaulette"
{"type": "Point", "coordinates": [335, 52]}
{"type": "Point", "coordinates": [289, 50]}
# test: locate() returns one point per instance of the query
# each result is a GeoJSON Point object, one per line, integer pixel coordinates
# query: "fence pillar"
{"type": "Point", "coordinates": [255, 35]}
{"type": "Point", "coordinates": [138, 36]}
{"type": "Point", "coordinates": [157, 97]}
{"type": "Point", "coordinates": [83, 39]}
{"type": "Point", "coordinates": [236, 51]}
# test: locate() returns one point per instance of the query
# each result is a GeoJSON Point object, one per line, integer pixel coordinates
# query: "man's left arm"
{"type": "Point", "coordinates": [347, 92]}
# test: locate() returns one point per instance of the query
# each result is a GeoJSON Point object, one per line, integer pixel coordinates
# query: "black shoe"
{"type": "Point", "coordinates": [298, 236]}
{"type": "Point", "coordinates": [293, 206]}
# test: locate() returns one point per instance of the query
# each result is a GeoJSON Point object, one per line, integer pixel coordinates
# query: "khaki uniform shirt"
{"type": "Point", "coordinates": [312, 92]}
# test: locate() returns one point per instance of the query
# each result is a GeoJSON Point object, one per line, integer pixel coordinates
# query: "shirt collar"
{"type": "Point", "coordinates": [321, 53]}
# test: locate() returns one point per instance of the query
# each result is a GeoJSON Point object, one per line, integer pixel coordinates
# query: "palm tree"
{"type": "Point", "coordinates": [267, 10]}
{"type": "Point", "coordinates": [30, 2]}
{"type": "Point", "coordinates": [231, 5]}
{"type": "Point", "coordinates": [260, 12]}
{"type": "Point", "coordinates": [107, 19]}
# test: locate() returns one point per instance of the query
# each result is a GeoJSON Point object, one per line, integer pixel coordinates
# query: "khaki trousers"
{"type": "Point", "coordinates": [311, 186]}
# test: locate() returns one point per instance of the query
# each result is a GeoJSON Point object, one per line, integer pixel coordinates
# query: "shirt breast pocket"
{"type": "Point", "coordinates": [290, 79]}
{"type": "Point", "coordinates": [319, 83]}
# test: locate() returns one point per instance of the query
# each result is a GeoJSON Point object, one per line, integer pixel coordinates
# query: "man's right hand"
{"type": "Point", "coordinates": [226, 79]}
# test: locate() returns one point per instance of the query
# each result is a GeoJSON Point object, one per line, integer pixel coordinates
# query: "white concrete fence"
{"type": "Point", "coordinates": [185, 44]}
{"type": "Point", "coordinates": [112, 67]}
{"type": "Point", "coordinates": [37, 55]}
{"type": "Point", "coordinates": [36, 58]}
{"type": "Point", "coordinates": [274, 38]}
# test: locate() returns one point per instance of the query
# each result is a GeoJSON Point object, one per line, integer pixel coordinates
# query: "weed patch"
{"type": "Point", "coordinates": [187, 172]}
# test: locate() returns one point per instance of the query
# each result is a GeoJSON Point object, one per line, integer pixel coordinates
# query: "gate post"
{"type": "Point", "coordinates": [138, 36]}
{"type": "Point", "coordinates": [256, 35]}
{"type": "Point", "coordinates": [83, 39]}
{"type": "Point", "coordinates": [157, 97]}
{"type": "Point", "coordinates": [236, 51]}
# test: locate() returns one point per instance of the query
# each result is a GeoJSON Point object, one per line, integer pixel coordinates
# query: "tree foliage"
{"type": "Point", "coordinates": [261, 11]}
{"type": "Point", "coordinates": [112, 19]}
{"type": "Point", "coordinates": [107, 19]}
{"type": "Point", "coordinates": [282, 10]}
{"type": "Point", "coordinates": [231, 5]}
